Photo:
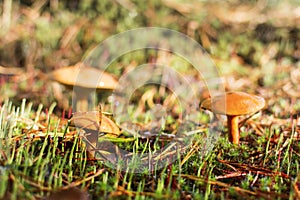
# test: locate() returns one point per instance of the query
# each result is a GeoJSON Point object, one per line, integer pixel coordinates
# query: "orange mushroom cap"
{"type": "Point", "coordinates": [234, 103]}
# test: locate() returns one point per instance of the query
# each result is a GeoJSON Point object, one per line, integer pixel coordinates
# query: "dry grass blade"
{"type": "Point", "coordinates": [11, 71]}
{"type": "Point", "coordinates": [69, 37]}
{"type": "Point", "coordinates": [218, 183]}
{"type": "Point", "coordinates": [256, 169]}
{"type": "Point", "coordinates": [183, 8]}
{"type": "Point", "coordinates": [39, 185]}
{"type": "Point", "coordinates": [194, 148]}
{"type": "Point", "coordinates": [232, 175]}
{"type": "Point", "coordinates": [79, 182]}
{"type": "Point", "coordinates": [255, 14]}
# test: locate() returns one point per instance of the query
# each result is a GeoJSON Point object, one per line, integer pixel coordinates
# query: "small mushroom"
{"type": "Point", "coordinates": [94, 123]}
{"type": "Point", "coordinates": [234, 104]}
{"type": "Point", "coordinates": [84, 80]}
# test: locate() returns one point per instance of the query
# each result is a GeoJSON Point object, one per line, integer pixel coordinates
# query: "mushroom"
{"type": "Point", "coordinates": [84, 80]}
{"type": "Point", "coordinates": [93, 123]}
{"type": "Point", "coordinates": [236, 104]}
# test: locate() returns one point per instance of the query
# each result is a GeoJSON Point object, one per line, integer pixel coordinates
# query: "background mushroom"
{"type": "Point", "coordinates": [84, 80]}
{"type": "Point", "coordinates": [236, 104]}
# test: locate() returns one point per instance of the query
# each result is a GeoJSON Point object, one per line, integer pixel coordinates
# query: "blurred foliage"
{"type": "Point", "coordinates": [242, 37]}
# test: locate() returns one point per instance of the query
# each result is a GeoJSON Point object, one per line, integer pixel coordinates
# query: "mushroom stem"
{"type": "Point", "coordinates": [233, 129]}
{"type": "Point", "coordinates": [92, 141]}
{"type": "Point", "coordinates": [81, 98]}
{"type": "Point", "coordinates": [82, 104]}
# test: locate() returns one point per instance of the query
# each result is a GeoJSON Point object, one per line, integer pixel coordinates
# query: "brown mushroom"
{"type": "Point", "coordinates": [93, 123]}
{"type": "Point", "coordinates": [84, 80]}
{"type": "Point", "coordinates": [234, 104]}
{"type": "Point", "coordinates": [92, 120]}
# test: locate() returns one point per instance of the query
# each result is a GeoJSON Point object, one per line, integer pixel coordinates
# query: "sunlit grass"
{"type": "Point", "coordinates": [36, 159]}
